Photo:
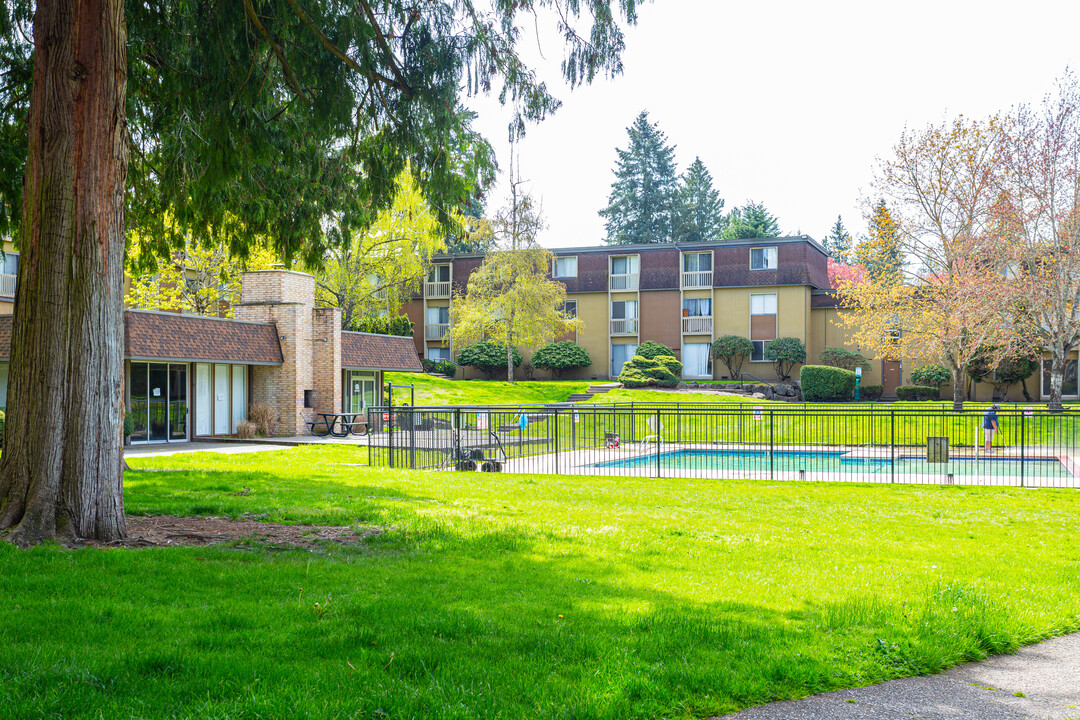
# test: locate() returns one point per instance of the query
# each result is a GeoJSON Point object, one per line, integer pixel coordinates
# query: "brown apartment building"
{"type": "Point", "coordinates": [682, 295]}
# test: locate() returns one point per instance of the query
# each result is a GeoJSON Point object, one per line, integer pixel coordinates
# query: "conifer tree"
{"type": "Point", "coordinates": [751, 221]}
{"type": "Point", "coordinates": [882, 253]}
{"type": "Point", "coordinates": [839, 243]}
{"type": "Point", "coordinates": [699, 209]}
{"type": "Point", "coordinates": [642, 200]}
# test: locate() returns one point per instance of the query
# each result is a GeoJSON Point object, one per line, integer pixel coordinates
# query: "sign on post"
{"type": "Point", "coordinates": [937, 450]}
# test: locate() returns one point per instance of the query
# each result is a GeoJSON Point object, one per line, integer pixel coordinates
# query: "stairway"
{"type": "Point", "coordinates": [593, 390]}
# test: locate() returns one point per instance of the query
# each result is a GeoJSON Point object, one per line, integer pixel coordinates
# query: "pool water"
{"type": "Point", "coordinates": [837, 462]}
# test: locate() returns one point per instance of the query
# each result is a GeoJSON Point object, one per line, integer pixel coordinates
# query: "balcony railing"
{"type": "Point", "coordinates": [437, 289]}
{"type": "Point", "coordinates": [624, 326]}
{"type": "Point", "coordinates": [436, 331]}
{"type": "Point", "coordinates": [697, 325]}
{"type": "Point", "coordinates": [623, 282]}
{"type": "Point", "coordinates": [7, 285]}
{"type": "Point", "coordinates": [697, 279]}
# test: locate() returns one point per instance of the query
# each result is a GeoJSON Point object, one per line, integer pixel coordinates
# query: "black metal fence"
{"type": "Point", "coordinates": [1032, 448]}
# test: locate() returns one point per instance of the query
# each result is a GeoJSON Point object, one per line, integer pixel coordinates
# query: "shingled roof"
{"type": "Point", "coordinates": [168, 336]}
{"type": "Point", "coordinates": [365, 351]}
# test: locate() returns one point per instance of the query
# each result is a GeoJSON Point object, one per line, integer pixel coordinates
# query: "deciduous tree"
{"type": "Point", "coordinates": [246, 119]}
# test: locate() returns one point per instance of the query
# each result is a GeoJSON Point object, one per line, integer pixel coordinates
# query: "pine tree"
{"type": "Point", "coordinates": [881, 252]}
{"type": "Point", "coordinates": [641, 203]}
{"type": "Point", "coordinates": [839, 243]}
{"type": "Point", "coordinates": [751, 221]}
{"type": "Point", "coordinates": [699, 209]}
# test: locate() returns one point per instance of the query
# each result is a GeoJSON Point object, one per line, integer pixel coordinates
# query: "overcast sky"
{"type": "Point", "coordinates": [786, 103]}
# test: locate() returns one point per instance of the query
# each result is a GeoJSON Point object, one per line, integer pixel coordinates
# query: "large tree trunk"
{"type": "Point", "coordinates": [1057, 377]}
{"type": "Point", "coordinates": [509, 357]}
{"type": "Point", "coordinates": [958, 387]}
{"type": "Point", "coordinates": [60, 473]}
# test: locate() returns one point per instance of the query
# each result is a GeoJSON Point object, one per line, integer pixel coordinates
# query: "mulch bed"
{"type": "Point", "coordinates": [172, 531]}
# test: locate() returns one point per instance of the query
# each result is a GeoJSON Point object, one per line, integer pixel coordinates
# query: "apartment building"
{"type": "Point", "coordinates": [682, 295]}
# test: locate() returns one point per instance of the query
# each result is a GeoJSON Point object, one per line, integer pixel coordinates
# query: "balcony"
{"type": "Point", "coordinates": [697, 279]}
{"type": "Point", "coordinates": [624, 326]}
{"type": "Point", "coordinates": [623, 282]}
{"type": "Point", "coordinates": [437, 289]}
{"type": "Point", "coordinates": [697, 325]}
{"type": "Point", "coordinates": [436, 331]}
{"type": "Point", "coordinates": [7, 285]}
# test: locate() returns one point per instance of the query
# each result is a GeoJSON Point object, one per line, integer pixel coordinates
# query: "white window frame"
{"type": "Point", "coordinates": [569, 303]}
{"type": "Point", "coordinates": [758, 355]}
{"type": "Point", "coordinates": [764, 303]}
{"type": "Point", "coordinates": [770, 257]}
{"type": "Point", "coordinates": [555, 267]}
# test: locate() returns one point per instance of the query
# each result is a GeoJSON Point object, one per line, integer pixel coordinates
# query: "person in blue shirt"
{"type": "Point", "coordinates": [990, 426]}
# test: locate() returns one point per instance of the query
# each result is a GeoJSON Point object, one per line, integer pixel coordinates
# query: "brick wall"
{"type": "Point", "coordinates": [326, 359]}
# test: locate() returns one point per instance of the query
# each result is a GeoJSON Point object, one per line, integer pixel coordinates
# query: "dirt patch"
{"type": "Point", "coordinates": [171, 531]}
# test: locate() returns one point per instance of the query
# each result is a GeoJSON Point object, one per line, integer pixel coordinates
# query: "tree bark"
{"type": "Point", "coordinates": [958, 387]}
{"type": "Point", "coordinates": [1057, 377]}
{"type": "Point", "coordinates": [60, 473]}
{"type": "Point", "coordinates": [509, 356]}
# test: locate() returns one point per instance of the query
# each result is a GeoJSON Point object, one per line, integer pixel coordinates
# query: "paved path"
{"type": "Point", "coordinates": [1047, 674]}
{"type": "Point", "coordinates": [155, 450]}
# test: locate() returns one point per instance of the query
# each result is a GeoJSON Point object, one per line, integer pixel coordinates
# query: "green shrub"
{"type": "Point", "coordinates": [561, 356]}
{"type": "Point", "coordinates": [129, 424]}
{"type": "Point", "coordinates": [918, 392]}
{"type": "Point", "coordinates": [871, 392]}
{"type": "Point", "coordinates": [428, 365]}
{"type": "Point", "coordinates": [785, 353]}
{"type": "Point", "coordinates": [486, 356]}
{"type": "Point", "coordinates": [930, 376]}
{"type": "Point", "coordinates": [822, 382]}
{"type": "Point", "coordinates": [650, 350]}
{"type": "Point", "coordinates": [445, 367]}
{"type": "Point", "coordinates": [661, 371]}
{"type": "Point", "coordinates": [400, 325]}
{"type": "Point", "coordinates": [843, 358]}
{"type": "Point", "coordinates": [732, 350]}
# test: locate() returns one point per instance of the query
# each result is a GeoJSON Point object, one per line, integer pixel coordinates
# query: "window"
{"type": "Point", "coordinates": [1069, 385]}
{"type": "Point", "coordinates": [10, 264]}
{"type": "Point", "coordinates": [621, 354]}
{"type": "Point", "coordinates": [438, 353]}
{"type": "Point", "coordinates": [696, 262]}
{"type": "Point", "coordinates": [763, 258]}
{"type": "Point", "coordinates": [697, 307]}
{"type": "Point", "coordinates": [759, 351]}
{"type": "Point", "coordinates": [763, 304]}
{"type": "Point", "coordinates": [569, 308]}
{"type": "Point", "coordinates": [696, 360]}
{"type": "Point", "coordinates": [565, 267]}
{"type": "Point", "coordinates": [623, 309]}
{"type": "Point", "coordinates": [438, 273]}
{"type": "Point", "coordinates": [438, 315]}
{"type": "Point", "coordinates": [624, 265]}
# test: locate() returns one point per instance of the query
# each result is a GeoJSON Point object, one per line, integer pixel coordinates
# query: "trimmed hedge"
{"type": "Point", "coordinates": [823, 382]}
{"type": "Point", "coordinates": [917, 392]}
{"type": "Point", "coordinates": [871, 392]}
{"type": "Point", "coordinates": [661, 371]}
{"type": "Point", "coordinates": [651, 350]}
{"type": "Point", "coordinates": [930, 376]}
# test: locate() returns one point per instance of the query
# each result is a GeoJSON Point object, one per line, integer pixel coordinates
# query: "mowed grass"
{"type": "Point", "coordinates": [502, 596]}
{"type": "Point", "coordinates": [431, 390]}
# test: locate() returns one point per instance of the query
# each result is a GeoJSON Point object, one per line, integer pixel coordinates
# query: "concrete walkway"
{"type": "Point", "coordinates": [1047, 675]}
{"type": "Point", "coordinates": [153, 450]}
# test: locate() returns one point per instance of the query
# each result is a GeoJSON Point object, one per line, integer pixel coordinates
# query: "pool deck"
{"type": "Point", "coordinates": [592, 461]}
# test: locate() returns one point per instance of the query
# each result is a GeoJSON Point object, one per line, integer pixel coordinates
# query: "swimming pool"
{"type": "Point", "coordinates": [836, 461]}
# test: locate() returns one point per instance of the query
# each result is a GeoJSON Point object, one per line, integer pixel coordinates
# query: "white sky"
{"type": "Point", "coordinates": [787, 103]}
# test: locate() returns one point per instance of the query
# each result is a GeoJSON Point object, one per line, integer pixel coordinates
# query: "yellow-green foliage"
{"type": "Point", "coordinates": [660, 371]}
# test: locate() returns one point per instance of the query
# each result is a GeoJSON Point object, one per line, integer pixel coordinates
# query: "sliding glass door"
{"type": "Point", "coordinates": [158, 401]}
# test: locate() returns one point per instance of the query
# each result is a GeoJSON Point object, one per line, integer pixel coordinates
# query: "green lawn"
{"type": "Point", "coordinates": [501, 596]}
{"type": "Point", "coordinates": [431, 390]}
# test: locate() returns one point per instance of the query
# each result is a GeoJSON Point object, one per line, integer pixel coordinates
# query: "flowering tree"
{"type": "Point", "coordinates": [1037, 215]}
{"type": "Point", "coordinates": [941, 186]}
{"type": "Point", "coordinates": [841, 272]}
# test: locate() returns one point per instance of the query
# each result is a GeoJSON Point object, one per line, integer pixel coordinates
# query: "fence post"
{"type": "Point", "coordinates": [772, 472]}
{"type": "Point", "coordinates": [657, 439]}
{"type": "Point", "coordinates": [892, 446]}
{"type": "Point", "coordinates": [390, 440]}
{"type": "Point", "coordinates": [412, 438]}
{"type": "Point", "coordinates": [557, 440]}
{"type": "Point", "coordinates": [456, 430]}
{"type": "Point", "coordinates": [1021, 448]}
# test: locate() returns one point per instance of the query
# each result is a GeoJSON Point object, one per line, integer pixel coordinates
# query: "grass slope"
{"type": "Point", "coordinates": [431, 390]}
{"type": "Point", "coordinates": [501, 596]}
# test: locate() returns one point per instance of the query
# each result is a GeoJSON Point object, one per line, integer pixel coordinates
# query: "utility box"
{"type": "Point", "coordinates": [937, 449]}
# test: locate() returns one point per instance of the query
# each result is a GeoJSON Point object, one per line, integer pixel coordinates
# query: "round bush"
{"type": "Point", "coordinates": [930, 376]}
{"type": "Point", "coordinates": [823, 383]}
{"type": "Point", "coordinates": [871, 392]}
{"type": "Point", "coordinates": [561, 356]}
{"type": "Point", "coordinates": [650, 350]}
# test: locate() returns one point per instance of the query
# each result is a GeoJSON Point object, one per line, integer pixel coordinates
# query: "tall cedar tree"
{"type": "Point", "coordinates": [881, 253]}
{"type": "Point", "coordinates": [839, 243]}
{"type": "Point", "coordinates": [751, 221]}
{"type": "Point", "coordinates": [641, 207]}
{"type": "Point", "coordinates": [699, 210]}
{"type": "Point", "coordinates": [245, 119]}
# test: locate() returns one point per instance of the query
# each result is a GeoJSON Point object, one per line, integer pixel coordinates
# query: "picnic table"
{"type": "Point", "coordinates": [337, 424]}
